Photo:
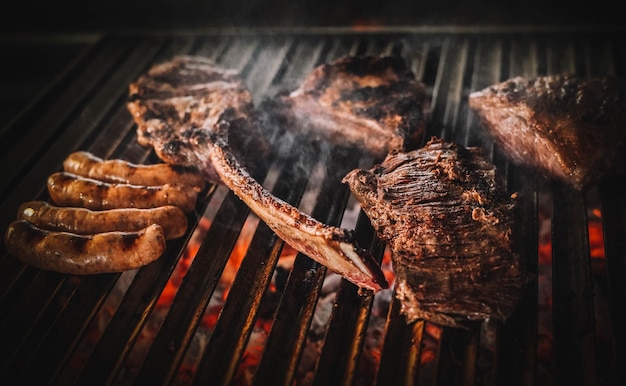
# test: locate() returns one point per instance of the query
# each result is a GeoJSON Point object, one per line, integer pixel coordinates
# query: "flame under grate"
{"type": "Point", "coordinates": [229, 303]}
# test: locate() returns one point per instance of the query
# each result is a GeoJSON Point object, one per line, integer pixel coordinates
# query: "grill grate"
{"type": "Point", "coordinates": [48, 320]}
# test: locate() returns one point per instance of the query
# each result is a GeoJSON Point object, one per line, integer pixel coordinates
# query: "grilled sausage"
{"type": "Point", "coordinates": [123, 172]}
{"type": "Point", "coordinates": [84, 254]}
{"type": "Point", "coordinates": [84, 221]}
{"type": "Point", "coordinates": [67, 189]}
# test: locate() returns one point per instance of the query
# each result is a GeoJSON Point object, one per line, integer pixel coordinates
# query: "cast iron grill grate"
{"type": "Point", "coordinates": [62, 329]}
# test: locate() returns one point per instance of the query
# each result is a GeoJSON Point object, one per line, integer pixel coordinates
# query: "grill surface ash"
{"type": "Point", "coordinates": [449, 224]}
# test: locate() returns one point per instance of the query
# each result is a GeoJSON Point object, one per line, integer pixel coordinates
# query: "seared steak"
{"type": "Point", "coordinates": [373, 103]}
{"type": "Point", "coordinates": [568, 128]}
{"type": "Point", "coordinates": [190, 93]}
{"type": "Point", "coordinates": [449, 225]}
{"type": "Point", "coordinates": [199, 115]}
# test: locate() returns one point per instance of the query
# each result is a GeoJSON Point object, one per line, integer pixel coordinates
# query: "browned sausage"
{"type": "Point", "coordinates": [123, 172]}
{"type": "Point", "coordinates": [84, 254]}
{"type": "Point", "coordinates": [67, 189]}
{"type": "Point", "coordinates": [85, 222]}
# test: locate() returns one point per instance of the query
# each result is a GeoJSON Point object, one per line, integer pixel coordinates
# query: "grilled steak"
{"type": "Point", "coordinates": [568, 128]}
{"type": "Point", "coordinates": [449, 225]}
{"type": "Point", "coordinates": [204, 131]}
{"type": "Point", "coordinates": [373, 103]}
{"type": "Point", "coordinates": [175, 98]}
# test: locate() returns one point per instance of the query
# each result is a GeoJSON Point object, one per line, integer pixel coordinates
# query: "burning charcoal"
{"type": "Point", "coordinates": [449, 225]}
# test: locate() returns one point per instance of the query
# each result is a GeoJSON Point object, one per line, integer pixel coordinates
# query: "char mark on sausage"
{"type": "Point", "coordinates": [120, 171]}
{"type": "Point", "coordinates": [84, 221]}
{"type": "Point", "coordinates": [67, 189]}
{"type": "Point", "coordinates": [72, 253]}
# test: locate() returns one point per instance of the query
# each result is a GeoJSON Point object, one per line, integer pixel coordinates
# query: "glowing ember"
{"type": "Point", "coordinates": [545, 302]}
{"type": "Point", "coordinates": [596, 235]}
{"type": "Point", "coordinates": [169, 292]}
{"type": "Point", "coordinates": [376, 328]}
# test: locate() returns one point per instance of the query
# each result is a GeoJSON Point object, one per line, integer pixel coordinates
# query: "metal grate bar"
{"type": "Point", "coordinates": [46, 316]}
{"type": "Point", "coordinates": [190, 302]}
{"type": "Point", "coordinates": [45, 277]}
{"type": "Point", "coordinates": [343, 343]}
{"type": "Point", "coordinates": [114, 345]}
{"type": "Point", "coordinates": [400, 357]}
{"type": "Point", "coordinates": [574, 342]}
{"type": "Point", "coordinates": [287, 336]}
{"type": "Point", "coordinates": [227, 341]}
{"type": "Point", "coordinates": [33, 137]}
{"type": "Point", "coordinates": [614, 223]}
{"type": "Point", "coordinates": [449, 83]}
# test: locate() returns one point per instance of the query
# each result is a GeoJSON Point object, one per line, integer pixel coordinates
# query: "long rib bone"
{"type": "Point", "coordinates": [330, 246]}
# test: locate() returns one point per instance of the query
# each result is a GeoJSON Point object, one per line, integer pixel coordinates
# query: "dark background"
{"type": "Point", "coordinates": [72, 15]}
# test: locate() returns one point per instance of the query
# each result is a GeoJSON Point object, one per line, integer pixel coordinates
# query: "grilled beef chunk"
{"type": "Point", "coordinates": [373, 103]}
{"type": "Point", "coordinates": [175, 98]}
{"type": "Point", "coordinates": [449, 225]}
{"type": "Point", "coordinates": [199, 115]}
{"type": "Point", "coordinates": [568, 128]}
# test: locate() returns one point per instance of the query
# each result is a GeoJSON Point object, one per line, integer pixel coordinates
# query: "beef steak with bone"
{"type": "Point", "coordinates": [197, 114]}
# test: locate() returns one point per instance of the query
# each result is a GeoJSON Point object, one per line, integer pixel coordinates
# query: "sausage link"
{"type": "Point", "coordinates": [124, 172]}
{"type": "Point", "coordinates": [67, 189]}
{"type": "Point", "coordinates": [84, 221]}
{"type": "Point", "coordinates": [84, 254]}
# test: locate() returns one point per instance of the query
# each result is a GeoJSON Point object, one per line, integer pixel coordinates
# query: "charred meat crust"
{"type": "Point", "coordinates": [374, 103]}
{"type": "Point", "coordinates": [568, 128]}
{"type": "Point", "coordinates": [175, 98]}
{"type": "Point", "coordinates": [449, 224]}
